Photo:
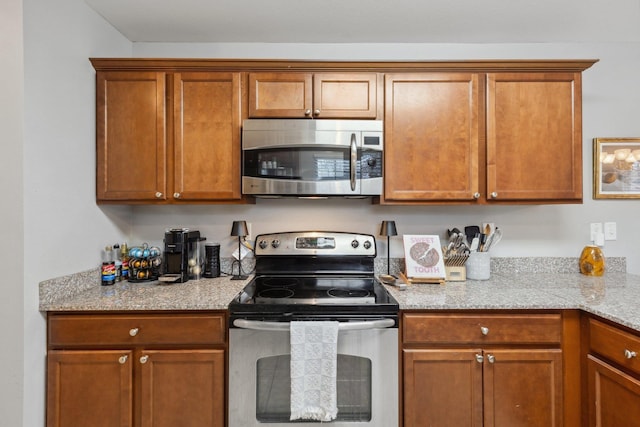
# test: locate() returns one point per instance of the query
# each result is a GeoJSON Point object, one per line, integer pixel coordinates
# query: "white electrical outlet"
{"type": "Point", "coordinates": [596, 229]}
{"type": "Point", "coordinates": [610, 231]}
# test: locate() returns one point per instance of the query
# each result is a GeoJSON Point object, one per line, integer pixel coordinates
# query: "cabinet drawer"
{"type": "Point", "coordinates": [616, 345]}
{"type": "Point", "coordinates": [102, 330]}
{"type": "Point", "coordinates": [482, 329]}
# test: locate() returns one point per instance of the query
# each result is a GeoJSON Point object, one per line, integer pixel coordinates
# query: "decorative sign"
{"type": "Point", "coordinates": [423, 258]}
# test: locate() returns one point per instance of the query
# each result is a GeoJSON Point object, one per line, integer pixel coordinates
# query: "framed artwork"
{"type": "Point", "coordinates": [616, 168]}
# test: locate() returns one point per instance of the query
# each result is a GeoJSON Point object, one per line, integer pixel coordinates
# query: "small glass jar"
{"type": "Point", "coordinates": [592, 261]}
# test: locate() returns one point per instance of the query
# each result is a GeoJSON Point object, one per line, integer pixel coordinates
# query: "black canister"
{"type": "Point", "coordinates": [212, 260]}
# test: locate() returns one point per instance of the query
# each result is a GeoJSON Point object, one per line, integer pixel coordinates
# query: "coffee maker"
{"type": "Point", "coordinates": [180, 246]}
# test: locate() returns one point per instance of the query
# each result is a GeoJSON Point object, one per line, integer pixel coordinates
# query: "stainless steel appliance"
{"type": "Point", "coordinates": [312, 157]}
{"type": "Point", "coordinates": [314, 276]}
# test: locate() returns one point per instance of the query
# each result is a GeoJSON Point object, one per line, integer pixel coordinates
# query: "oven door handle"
{"type": "Point", "coordinates": [258, 325]}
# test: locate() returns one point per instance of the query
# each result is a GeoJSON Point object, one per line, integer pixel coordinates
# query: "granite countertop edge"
{"type": "Point", "coordinates": [613, 296]}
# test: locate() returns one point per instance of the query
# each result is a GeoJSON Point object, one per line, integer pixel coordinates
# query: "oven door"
{"type": "Point", "coordinates": [259, 378]}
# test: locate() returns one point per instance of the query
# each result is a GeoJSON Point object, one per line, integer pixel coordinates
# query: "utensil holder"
{"type": "Point", "coordinates": [479, 266]}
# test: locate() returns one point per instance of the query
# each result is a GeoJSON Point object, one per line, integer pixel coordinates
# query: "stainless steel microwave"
{"type": "Point", "coordinates": [307, 158]}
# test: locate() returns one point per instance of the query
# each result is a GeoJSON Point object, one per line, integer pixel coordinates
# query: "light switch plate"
{"type": "Point", "coordinates": [610, 231]}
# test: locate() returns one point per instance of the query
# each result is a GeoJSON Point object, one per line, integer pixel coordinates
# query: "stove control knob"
{"type": "Point", "coordinates": [367, 244]}
{"type": "Point", "coordinates": [275, 243]}
{"type": "Point", "coordinates": [263, 244]}
{"type": "Point", "coordinates": [355, 243]}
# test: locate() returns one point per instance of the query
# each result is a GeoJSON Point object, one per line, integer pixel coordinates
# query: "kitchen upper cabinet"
{"type": "Point", "coordinates": [167, 138]}
{"type": "Point", "coordinates": [206, 152]}
{"type": "Point", "coordinates": [534, 137]}
{"type": "Point", "coordinates": [136, 370]}
{"type": "Point", "coordinates": [613, 370]}
{"type": "Point", "coordinates": [349, 95]}
{"type": "Point", "coordinates": [482, 369]}
{"type": "Point", "coordinates": [483, 137]}
{"type": "Point", "coordinates": [131, 136]}
{"type": "Point", "coordinates": [432, 137]}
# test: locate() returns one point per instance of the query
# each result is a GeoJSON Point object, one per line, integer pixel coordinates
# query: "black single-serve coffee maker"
{"type": "Point", "coordinates": [180, 246]}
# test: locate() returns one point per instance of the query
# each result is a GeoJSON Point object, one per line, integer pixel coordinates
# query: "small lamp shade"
{"type": "Point", "coordinates": [239, 228]}
{"type": "Point", "coordinates": [388, 228]}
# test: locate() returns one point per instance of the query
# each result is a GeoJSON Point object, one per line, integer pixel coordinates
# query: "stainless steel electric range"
{"type": "Point", "coordinates": [314, 276]}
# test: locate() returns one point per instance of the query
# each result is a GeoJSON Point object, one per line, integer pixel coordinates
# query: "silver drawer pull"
{"type": "Point", "coordinates": [259, 325]}
{"type": "Point", "coordinates": [144, 359]}
{"type": "Point", "coordinates": [491, 358]}
{"type": "Point", "coordinates": [630, 354]}
{"type": "Point", "coordinates": [123, 359]}
{"type": "Point", "coordinates": [484, 330]}
{"type": "Point", "coordinates": [479, 358]}
{"type": "Point", "coordinates": [134, 331]}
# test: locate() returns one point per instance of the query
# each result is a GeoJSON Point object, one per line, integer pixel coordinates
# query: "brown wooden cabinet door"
{"type": "Point", "coordinates": [207, 122]}
{"type": "Point", "coordinates": [131, 140]}
{"type": "Point", "coordinates": [280, 95]}
{"type": "Point", "coordinates": [89, 388]}
{"type": "Point", "coordinates": [308, 95]}
{"type": "Point", "coordinates": [345, 95]}
{"type": "Point", "coordinates": [183, 388]}
{"type": "Point", "coordinates": [614, 396]}
{"type": "Point", "coordinates": [523, 388]}
{"type": "Point", "coordinates": [431, 137]}
{"type": "Point", "coordinates": [534, 137]}
{"type": "Point", "coordinates": [442, 388]}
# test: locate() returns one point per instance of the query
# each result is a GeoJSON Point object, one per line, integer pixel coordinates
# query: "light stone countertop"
{"type": "Point", "coordinates": [514, 285]}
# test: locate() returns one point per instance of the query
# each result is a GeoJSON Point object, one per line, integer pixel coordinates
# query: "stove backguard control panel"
{"type": "Point", "coordinates": [315, 243]}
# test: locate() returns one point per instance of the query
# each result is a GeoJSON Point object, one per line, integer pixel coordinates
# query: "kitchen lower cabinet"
{"type": "Point", "coordinates": [138, 370]}
{"type": "Point", "coordinates": [167, 137]}
{"type": "Point", "coordinates": [613, 376]}
{"type": "Point", "coordinates": [482, 370]}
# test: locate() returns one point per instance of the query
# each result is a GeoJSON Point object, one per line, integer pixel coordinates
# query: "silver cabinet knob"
{"type": "Point", "coordinates": [307, 112]}
{"type": "Point", "coordinates": [630, 354]}
{"type": "Point", "coordinates": [123, 359]}
{"type": "Point", "coordinates": [176, 195]}
{"type": "Point", "coordinates": [491, 358]}
{"type": "Point", "coordinates": [316, 112]}
{"type": "Point", "coordinates": [479, 358]}
{"type": "Point", "coordinates": [476, 195]}
{"type": "Point", "coordinates": [158, 195]}
{"type": "Point", "coordinates": [484, 330]}
{"type": "Point", "coordinates": [494, 195]}
{"type": "Point", "coordinates": [143, 359]}
{"type": "Point", "coordinates": [134, 331]}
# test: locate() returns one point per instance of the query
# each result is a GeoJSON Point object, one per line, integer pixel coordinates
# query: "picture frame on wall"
{"type": "Point", "coordinates": [616, 168]}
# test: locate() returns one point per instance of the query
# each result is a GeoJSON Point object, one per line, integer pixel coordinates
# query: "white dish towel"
{"type": "Point", "coordinates": [314, 360]}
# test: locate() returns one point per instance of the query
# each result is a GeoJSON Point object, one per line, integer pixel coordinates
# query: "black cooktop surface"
{"type": "Point", "coordinates": [285, 295]}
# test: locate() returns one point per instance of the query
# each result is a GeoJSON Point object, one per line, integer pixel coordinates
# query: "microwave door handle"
{"type": "Point", "coordinates": [354, 159]}
{"type": "Point", "coordinates": [258, 325]}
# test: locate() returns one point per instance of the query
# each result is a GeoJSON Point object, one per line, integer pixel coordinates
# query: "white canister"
{"type": "Point", "coordinates": [478, 266]}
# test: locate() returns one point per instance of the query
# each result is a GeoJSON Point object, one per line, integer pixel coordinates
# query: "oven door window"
{"type": "Point", "coordinates": [273, 400]}
{"type": "Point", "coordinates": [305, 163]}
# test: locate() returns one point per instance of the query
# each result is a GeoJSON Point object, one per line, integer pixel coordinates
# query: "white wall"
{"type": "Point", "coordinates": [64, 229]}
{"type": "Point", "coordinates": [11, 250]}
{"type": "Point", "coordinates": [610, 99]}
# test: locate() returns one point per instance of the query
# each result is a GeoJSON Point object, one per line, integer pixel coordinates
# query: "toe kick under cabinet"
{"type": "Point", "coordinates": [485, 369]}
{"type": "Point", "coordinates": [136, 369]}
